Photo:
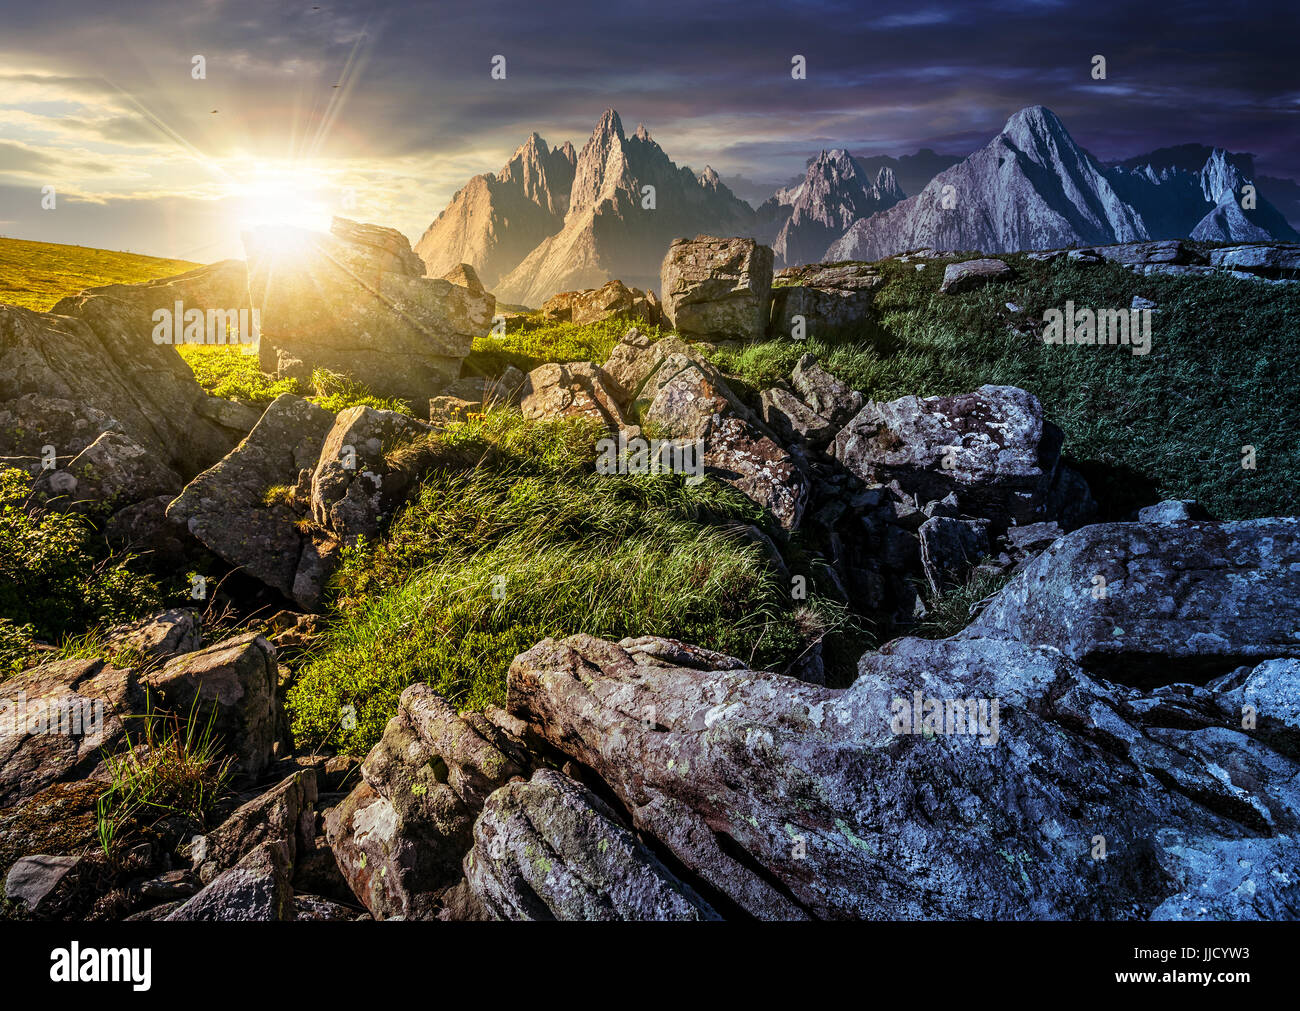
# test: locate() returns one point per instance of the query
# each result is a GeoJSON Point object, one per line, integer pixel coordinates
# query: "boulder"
{"type": "Point", "coordinates": [353, 489]}
{"type": "Point", "coordinates": [284, 814]}
{"type": "Point", "coordinates": [142, 528]}
{"type": "Point", "coordinates": [400, 836]}
{"type": "Point", "coordinates": [56, 720]}
{"type": "Point", "coordinates": [1271, 260]}
{"type": "Point", "coordinates": [97, 350]}
{"type": "Point", "coordinates": [550, 849]}
{"type": "Point", "coordinates": [1171, 511]}
{"type": "Point", "coordinates": [792, 419]}
{"type": "Point", "coordinates": [160, 637]}
{"type": "Point", "coordinates": [830, 299]}
{"type": "Point", "coordinates": [572, 390]}
{"type": "Point", "coordinates": [34, 421]}
{"type": "Point", "coordinates": [60, 820]}
{"type": "Point", "coordinates": [226, 507]}
{"type": "Point", "coordinates": [684, 397]}
{"type": "Point", "coordinates": [823, 393]}
{"type": "Point", "coordinates": [1129, 254]}
{"type": "Point", "coordinates": [356, 302]}
{"type": "Point", "coordinates": [950, 548]}
{"type": "Point", "coordinates": [112, 471]}
{"type": "Point", "coordinates": [1150, 603]}
{"type": "Point", "coordinates": [717, 289]}
{"type": "Point", "coordinates": [970, 274]}
{"type": "Point", "coordinates": [991, 447]}
{"type": "Point", "coordinates": [235, 685]}
{"type": "Point", "coordinates": [256, 889]}
{"type": "Point", "coordinates": [1061, 797]}
{"type": "Point", "coordinates": [613, 300]}
{"type": "Point", "coordinates": [32, 880]}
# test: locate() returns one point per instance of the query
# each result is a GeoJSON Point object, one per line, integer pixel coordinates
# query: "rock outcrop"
{"type": "Point", "coordinates": [612, 300]}
{"type": "Point", "coordinates": [717, 289]}
{"type": "Point", "coordinates": [1152, 603]}
{"type": "Point", "coordinates": [356, 302]}
{"type": "Point", "coordinates": [230, 509]}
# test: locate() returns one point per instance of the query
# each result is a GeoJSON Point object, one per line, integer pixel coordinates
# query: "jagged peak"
{"type": "Point", "coordinates": [609, 126]}
{"type": "Point", "coordinates": [641, 132]}
{"type": "Point", "coordinates": [1033, 125]}
{"type": "Point", "coordinates": [709, 176]}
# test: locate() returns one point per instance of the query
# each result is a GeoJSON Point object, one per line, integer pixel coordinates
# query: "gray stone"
{"type": "Point", "coordinates": [717, 289]}
{"type": "Point", "coordinates": [549, 849]}
{"type": "Point", "coordinates": [255, 889]}
{"type": "Point", "coordinates": [971, 274]}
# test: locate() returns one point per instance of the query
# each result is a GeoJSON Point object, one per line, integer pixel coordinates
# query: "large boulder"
{"type": "Point", "coordinates": [284, 814]}
{"type": "Point", "coordinates": [717, 289]}
{"type": "Point", "coordinates": [572, 390]}
{"type": "Point", "coordinates": [684, 397]}
{"type": "Point", "coordinates": [1151, 602]}
{"type": "Point", "coordinates": [233, 686]}
{"type": "Point", "coordinates": [113, 470]}
{"type": "Point", "coordinates": [57, 720]}
{"type": "Point", "coordinates": [829, 299]}
{"type": "Point", "coordinates": [356, 301]}
{"type": "Point", "coordinates": [400, 836]}
{"type": "Point", "coordinates": [229, 507]}
{"type": "Point", "coordinates": [983, 779]}
{"type": "Point", "coordinates": [550, 849]}
{"type": "Point", "coordinates": [992, 447]}
{"type": "Point", "coordinates": [612, 300]}
{"type": "Point", "coordinates": [353, 489]}
{"type": "Point", "coordinates": [97, 350]}
{"type": "Point", "coordinates": [30, 423]}
{"type": "Point", "coordinates": [972, 274]}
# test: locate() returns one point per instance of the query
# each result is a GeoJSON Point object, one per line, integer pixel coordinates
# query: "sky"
{"type": "Point", "coordinates": [381, 110]}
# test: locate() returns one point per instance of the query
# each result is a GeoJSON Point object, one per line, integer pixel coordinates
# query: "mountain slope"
{"type": "Point", "coordinates": [495, 220]}
{"type": "Point", "coordinates": [1031, 187]}
{"type": "Point", "coordinates": [608, 231]}
{"type": "Point", "coordinates": [835, 192]}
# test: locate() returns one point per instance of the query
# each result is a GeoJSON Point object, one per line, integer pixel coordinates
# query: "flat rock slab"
{"type": "Point", "coordinates": [971, 274]}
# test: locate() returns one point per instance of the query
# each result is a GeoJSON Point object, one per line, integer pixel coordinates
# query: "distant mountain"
{"type": "Point", "coordinates": [583, 229]}
{"type": "Point", "coordinates": [836, 191]}
{"type": "Point", "coordinates": [912, 171]}
{"type": "Point", "coordinates": [494, 221]}
{"type": "Point", "coordinates": [1033, 187]}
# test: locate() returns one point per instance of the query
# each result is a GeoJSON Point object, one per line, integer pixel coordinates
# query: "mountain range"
{"type": "Point", "coordinates": [559, 219]}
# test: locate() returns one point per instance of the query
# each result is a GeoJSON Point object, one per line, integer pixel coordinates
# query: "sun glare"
{"type": "Point", "coordinates": [284, 195]}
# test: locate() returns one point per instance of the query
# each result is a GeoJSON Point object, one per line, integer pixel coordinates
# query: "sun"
{"type": "Point", "coordinates": [280, 195]}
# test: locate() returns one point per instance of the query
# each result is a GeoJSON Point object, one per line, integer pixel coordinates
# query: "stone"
{"type": "Point", "coordinates": [160, 637]}
{"type": "Point", "coordinates": [970, 274]}
{"type": "Point", "coordinates": [549, 849]}
{"type": "Point", "coordinates": [794, 801]}
{"type": "Point", "coordinates": [88, 704]}
{"type": "Point", "coordinates": [1171, 511]}
{"type": "Point", "coordinates": [613, 300]}
{"type": "Point", "coordinates": [717, 289]}
{"type": "Point", "coordinates": [34, 421]}
{"type": "Point", "coordinates": [255, 889]}
{"type": "Point", "coordinates": [114, 470]}
{"type": "Point", "coordinates": [823, 393]}
{"type": "Point", "coordinates": [792, 419]}
{"type": "Point", "coordinates": [142, 528]}
{"type": "Point", "coordinates": [686, 398]}
{"type": "Point", "coordinates": [356, 302]}
{"type": "Point", "coordinates": [285, 813]}
{"type": "Point", "coordinates": [32, 880]}
{"type": "Point", "coordinates": [992, 447]}
{"type": "Point", "coordinates": [400, 836]}
{"type": "Point", "coordinates": [96, 350]}
{"type": "Point", "coordinates": [226, 507]}
{"type": "Point", "coordinates": [1273, 260]}
{"type": "Point", "coordinates": [353, 489]}
{"type": "Point", "coordinates": [444, 411]}
{"type": "Point", "coordinates": [572, 390]}
{"type": "Point", "coordinates": [1182, 601]}
{"type": "Point", "coordinates": [234, 683]}
{"type": "Point", "coordinates": [321, 910]}
{"type": "Point", "coordinates": [60, 820]}
{"type": "Point", "coordinates": [950, 548]}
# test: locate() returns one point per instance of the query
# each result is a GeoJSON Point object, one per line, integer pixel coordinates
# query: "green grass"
{"type": "Point", "coordinates": [35, 275]}
{"type": "Point", "coordinates": [1223, 372]}
{"type": "Point", "coordinates": [234, 374]}
{"type": "Point", "coordinates": [538, 342]}
{"type": "Point", "coordinates": [513, 538]}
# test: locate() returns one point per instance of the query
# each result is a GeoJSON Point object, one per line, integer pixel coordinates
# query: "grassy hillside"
{"type": "Point", "coordinates": [35, 275]}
